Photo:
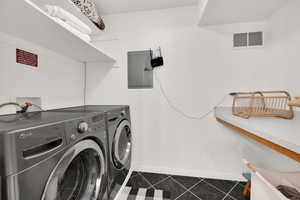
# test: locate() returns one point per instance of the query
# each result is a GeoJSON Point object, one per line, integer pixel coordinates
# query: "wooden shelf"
{"type": "Point", "coordinates": [25, 20]}
{"type": "Point", "coordinates": [280, 135]}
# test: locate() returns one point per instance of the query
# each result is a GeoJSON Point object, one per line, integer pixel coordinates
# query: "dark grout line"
{"type": "Point", "coordinates": [161, 181]}
{"type": "Point", "coordinates": [215, 187]}
{"type": "Point", "coordinates": [181, 195]}
{"type": "Point", "coordinates": [179, 183]}
{"type": "Point", "coordinates": [151, 186]}
{"type": "Point", "coordinates": [137, 173]}
{"type": "Point", "coordinates": [195, 195]}
{"type": "Point", "coordinates": [231, 197]}
{"type": "Point", "coordinates": [195, 185]}
{"type": "Point", "coordinates": [228, 193]}
{"type": "Point", "coordinates": [188, 190]}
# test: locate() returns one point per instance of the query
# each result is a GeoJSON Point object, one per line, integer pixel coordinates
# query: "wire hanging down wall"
{"type": "Point", "coordinates": [181, 112]}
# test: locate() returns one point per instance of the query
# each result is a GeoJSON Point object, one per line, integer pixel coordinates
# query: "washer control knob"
{"type": "Point", "coordinates": [82, 127]}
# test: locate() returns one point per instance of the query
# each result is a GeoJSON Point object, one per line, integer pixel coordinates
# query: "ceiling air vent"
{"type": "Point", "coordinates": [250, 39]}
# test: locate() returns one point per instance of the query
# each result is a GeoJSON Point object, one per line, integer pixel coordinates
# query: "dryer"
{"type": "Point", "coordinates": [120, 147]}
{"type": "Point", "coordinates": [53, 155]}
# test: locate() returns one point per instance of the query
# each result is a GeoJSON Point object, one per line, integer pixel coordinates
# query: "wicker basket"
{"type": "Point", "coordinates": [262, 104]}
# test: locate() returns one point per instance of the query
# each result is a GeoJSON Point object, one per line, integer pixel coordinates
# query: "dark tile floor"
{"type": "Point", "coordinates": [189, 188]}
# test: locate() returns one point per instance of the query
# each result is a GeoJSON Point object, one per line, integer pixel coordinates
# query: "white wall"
{"type": "Point", "coordinates": [200, 68]}
{"type": "Point", "coordinates": [58, 80]}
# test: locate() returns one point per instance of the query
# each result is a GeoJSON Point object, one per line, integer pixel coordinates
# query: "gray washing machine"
{"type": "Point", "coordinates": [53, 156]}
{"type": "Point", "coordinates": [119, 141]}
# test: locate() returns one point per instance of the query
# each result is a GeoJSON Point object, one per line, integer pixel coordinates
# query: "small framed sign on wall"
{"type": "Point", "coordinates": [26, 58]}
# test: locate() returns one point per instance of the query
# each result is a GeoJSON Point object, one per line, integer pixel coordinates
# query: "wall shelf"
{"type": "Point", "coordinates": [69, 6]}
{"type": "Point", "coordinates": [216, 12]}
{"type": "Point", "coordinates": [24, 19]}
{"type": "Point", "coordinates": [278, 134]}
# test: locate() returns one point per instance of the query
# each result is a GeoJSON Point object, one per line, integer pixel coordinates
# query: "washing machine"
{"type": "Point", "coordinates": [119, 141]}
{"type": "Point", "coordinates": [53, 156]}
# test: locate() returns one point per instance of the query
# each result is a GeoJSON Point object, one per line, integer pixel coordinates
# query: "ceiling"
{"type": "Point", "coordinates": [119, 6]}
{"type": "Point", "coordinates": [234, 11]}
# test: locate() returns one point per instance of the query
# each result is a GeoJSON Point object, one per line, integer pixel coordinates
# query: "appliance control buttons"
{"type": "Point", "coordinates": [73, 137]}
{"type": "Point", "coordinates": [123, 112]}
{"type": "Point", "coordinates": [82, 127]}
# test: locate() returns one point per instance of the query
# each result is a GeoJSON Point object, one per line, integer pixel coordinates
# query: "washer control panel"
{"type": "Point", "coordinates": [89, 125]}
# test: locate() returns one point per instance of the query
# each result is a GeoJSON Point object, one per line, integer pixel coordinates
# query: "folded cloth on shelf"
{"type": "Point", "coordinates": [81, 35]}
{"type": "Point", "coordinates": [79, 28]}
{"type": "Point", "coordinates": [56, 11]}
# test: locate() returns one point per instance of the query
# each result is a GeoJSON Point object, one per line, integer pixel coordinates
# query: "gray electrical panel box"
{"type": "Point", "coordinates": [140, 74]}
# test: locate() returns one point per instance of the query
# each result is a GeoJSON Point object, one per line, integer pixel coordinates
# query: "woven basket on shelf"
{"type": "Point", "coordinates": [262, 104]}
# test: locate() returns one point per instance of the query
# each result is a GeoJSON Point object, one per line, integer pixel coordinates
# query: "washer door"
{"type": "Point", "coordinates": [122, 145]}
{"type": "Point", "coordinates": [78, 175]}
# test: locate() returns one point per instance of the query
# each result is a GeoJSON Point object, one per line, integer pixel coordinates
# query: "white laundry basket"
{"type": "Point", "coordinates": [264, 183]}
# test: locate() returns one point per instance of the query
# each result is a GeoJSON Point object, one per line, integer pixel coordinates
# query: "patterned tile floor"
{"type": "Point", "coordinates": [189, 188]}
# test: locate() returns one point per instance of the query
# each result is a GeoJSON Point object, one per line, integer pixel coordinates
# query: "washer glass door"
{"type": "Point", "coordinates": [78, 174]}
{"type": "Point", "coordinates": [122, 144]}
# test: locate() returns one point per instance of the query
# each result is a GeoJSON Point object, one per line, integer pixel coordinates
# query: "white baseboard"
{"type": "Point", "coordinates": [194, 173]}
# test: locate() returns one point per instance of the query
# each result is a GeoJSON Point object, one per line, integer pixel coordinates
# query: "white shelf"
{"type": "Point", "coordinates": [281, 132]}
{"type": "Point", "coordinates": [216, 12]}
{"type": "Point", "coordinates": [69, 6]}
{"type": "Point", "coordinates": [25, 20]}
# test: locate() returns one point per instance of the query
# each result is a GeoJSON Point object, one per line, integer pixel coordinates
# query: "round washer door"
{"type": "Point", "coordinates": [121, 147]}
{"type": "Point", "coordinates": [78, 175]}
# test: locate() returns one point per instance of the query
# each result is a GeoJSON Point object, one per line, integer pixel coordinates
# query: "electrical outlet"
{"type": "Point", "coordinates": [34, 100]}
